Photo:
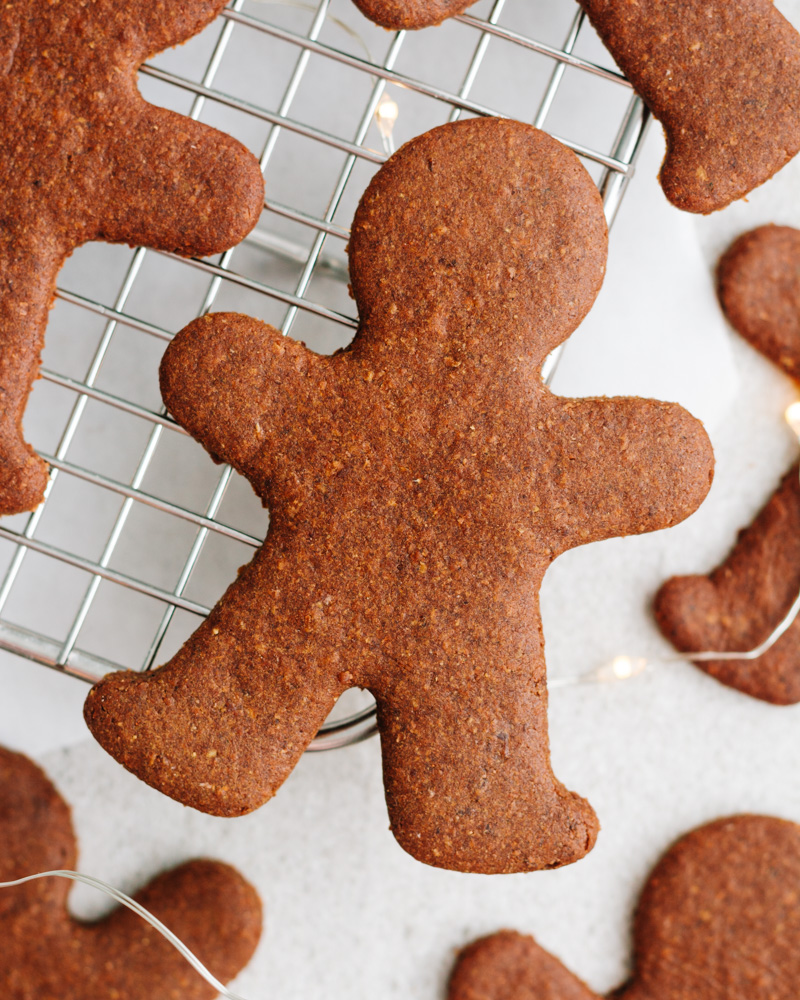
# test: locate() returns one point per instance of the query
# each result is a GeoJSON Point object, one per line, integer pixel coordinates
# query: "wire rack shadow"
{"type": "Point", "coordinates": [137, 535]}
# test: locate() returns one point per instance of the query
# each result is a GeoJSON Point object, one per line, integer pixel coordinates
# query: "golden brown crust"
{"type": "Point", "coordinates": [410, 14]}
{"type": "Point", "coordinates": [723, 78]}
{"type": "Point", "coordinates": [83, 157]}
{"type": "Point", "coordinates": [419, 485]}
{"type": "Point", "coordinates": [718, 920]}
{"type": "Point", "coordinates": [46, 954]}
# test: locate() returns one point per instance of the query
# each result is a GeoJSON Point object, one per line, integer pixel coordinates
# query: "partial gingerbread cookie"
{"type": "Point", "coordinates": [410, 14]}
{"type": "Point", "coordinates": [718, 920]}
{"type": "Point", "coordinates": [737, 606]}
{"type": "Point", "coordinates": [722, 77]}
{"type": "Point", "coordinates": [419, 485]}
{"type": "Point", "coordinates": [46, 954]}
{"type": "Point", "coordinates": [758, 283]}
{"type": "Point", "coordinates": [84, 157]}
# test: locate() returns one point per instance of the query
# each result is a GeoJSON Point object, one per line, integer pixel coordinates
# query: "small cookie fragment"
{"type": "Point", "coordinates": [84, 157]}
{"type": "Point", "coordinates": [737, 606]}
{"type": "Point", "coordinates": [419, 485]}
{"type": "Point", "coordinates": [46, 954]}
{"type": "Point", "coordinates": [722, 77]}
{"type": "Point", "coordinates": [410, 14]}
{"type": "Point", "coordinates": [758, 283]}
{"type": "Point", "coordinates": [719, 919]}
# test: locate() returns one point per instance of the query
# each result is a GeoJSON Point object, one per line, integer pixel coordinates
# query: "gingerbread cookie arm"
{"type": "Point", "coordinates": [656, 461]}
{"type": "Point", "coordinates": [187, 188]}
{"type": "Point", "coordinates": [737, 606]}
{"type": "Point", "coordinates": [511, 966]}
{"type": "Point", "coordinates": [723, 78]}
{"type": "Point", "coordinates": [400, 14]}
{"type": "Point", "coordinates": [248, 394]}
{"type": "Point", "coordinates": [150, 29]}
{"type": "Point", "coordinates": [187, 900]}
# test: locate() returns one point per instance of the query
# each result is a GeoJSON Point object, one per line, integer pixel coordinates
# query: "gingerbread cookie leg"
{"type": "Point", "coordinates": [737, 606]}
{"type": "Point", "coordinates": [223, 723]}
{"type": "Point", "coordinates": [185, 900]}
{"type": "Point", "coordinates": [722, 77]}
{"type": "Point", "coordinates": [466, 757]}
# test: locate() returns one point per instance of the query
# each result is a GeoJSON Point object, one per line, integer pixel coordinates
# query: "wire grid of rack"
{"type": "Point", "coordinates": [89, 582]}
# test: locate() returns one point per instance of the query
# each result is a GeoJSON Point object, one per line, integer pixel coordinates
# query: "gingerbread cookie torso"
{"type": "Point", "coordinates": [84, 157]}
{"type": "Point", "coordinates": [45, 954]}
{"type": "Point", "coordinates": [722, 77]}
{"type": "Point", "coordinates": [737, 606]}
{"type": "Point", "coordinates": [718, 920]}
{"type": "Point", "coordinates": [419, 485]}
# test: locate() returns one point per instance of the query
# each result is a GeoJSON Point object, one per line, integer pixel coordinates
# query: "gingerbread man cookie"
{"type": "Point", "coordinates": [718, 920]}
{"type": "Point", "coordinates": [722, 77]}
{"type": "Point", "coordinates": [419, 485]}
{"type": "Point", "coordinates": [45, 954]}
{"type": "Point", "coordinates": [737, 606]}
{"type": "Point", "coordinates": [84, 157]}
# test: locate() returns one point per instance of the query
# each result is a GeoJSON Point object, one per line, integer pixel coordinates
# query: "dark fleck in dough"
{"type": "Point", "coordinates": [84, 157]}
{"type": "Point", "coordinates": [419, 485]}
{"type": "Point", "coordinates": [737, 606]}
{"type": "Point", "coordinates": [719, 919]}
{"type": "Point", "coordinates": [722, 77]}
{"type": "Point", "coordinates": [45, 954]}
{"type": "Point", "coordinates": [397, 14]}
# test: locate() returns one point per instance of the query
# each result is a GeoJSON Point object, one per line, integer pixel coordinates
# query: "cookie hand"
{"type": "Point", "coordinates": [615, 477]}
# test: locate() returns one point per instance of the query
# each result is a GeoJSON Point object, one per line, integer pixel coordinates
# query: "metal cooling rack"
{"type": "Point", "coordinates": [139, 533]}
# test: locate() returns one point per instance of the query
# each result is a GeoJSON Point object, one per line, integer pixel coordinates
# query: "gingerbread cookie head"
{"type": "Point", "coordinates": [718, 920]}
{"type": "Point", "coordinates": [737, 606]}
{"type": "Point", "coordinates": [84, 157]}
{"type": "Point", "coordinates": [722, 77]}
{"type": "Point", "coordinates": [47, 953]}
{"type": "Point", "coordinates": [419, 485]}
{"type": "Point", "coordinates": [410, 14]}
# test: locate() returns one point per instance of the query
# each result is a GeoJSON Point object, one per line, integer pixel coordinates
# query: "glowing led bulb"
{"type": "Point", "coordinates": [792, 416]}
{"type": "Point", "coordinates": [621, 668]}
{"type": "Point", "coordinates": [386, 115]}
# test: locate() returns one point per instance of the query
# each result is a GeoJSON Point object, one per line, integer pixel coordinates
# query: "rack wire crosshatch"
{"type": "Point", "coordinates": [139, 533]}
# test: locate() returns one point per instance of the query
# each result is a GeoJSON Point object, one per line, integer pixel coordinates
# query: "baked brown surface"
{"type": "Point", "coordinates": [719, 919]}
{"type": "Point", "coordinates": [758, 283]}
{"type": "Point", "coordinates": [722, 77]}
{"type": "Point", "coordinates": [45, 954]}
{"type": "Point", "coordinates": [84, 157]}
{"type": "Point", "coordinates": [410, 14]}
{"type": "Point", "coordinates": [739, 604]}
{"type": "Point", "coordinates": [419, 485]}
